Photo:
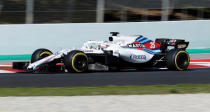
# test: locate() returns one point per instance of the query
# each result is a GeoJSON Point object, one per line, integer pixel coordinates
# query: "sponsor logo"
{"type": "Point", "coordinates": [133, 45]}
{"type": "Point", "coordinates": [139, 57]}
{"type": "Point", "coordinates": [88, 51]}
{"type": "Point", "coordinates": [173, 40]}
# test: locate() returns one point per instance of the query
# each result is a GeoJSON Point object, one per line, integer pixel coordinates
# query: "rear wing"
{"type": "Point", "coordinates": [176, 43]}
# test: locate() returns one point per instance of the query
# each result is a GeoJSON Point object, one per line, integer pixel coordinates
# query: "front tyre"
{"type": "Point", "coordinates": [40, 54]}
{"type": "Point", "coordinates": [48, 67]}
{"type": "Point", "coordinates": [76, 61]}
{"type": "Point", "coordinates": [177, 60]}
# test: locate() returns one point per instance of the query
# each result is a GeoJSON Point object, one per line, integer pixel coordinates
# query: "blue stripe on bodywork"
{"type": "Point", "coordinates": [147, 42]}
{"type": "Point", "coordinates": [144, 41]}
{"type": "Point", "coordinates": [140, 39]}
{"type": "Point", "coordinates": [45, 61]}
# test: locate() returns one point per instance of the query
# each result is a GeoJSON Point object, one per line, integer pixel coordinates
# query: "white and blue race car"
{"type": "Point", "coordinates": [116, 53]}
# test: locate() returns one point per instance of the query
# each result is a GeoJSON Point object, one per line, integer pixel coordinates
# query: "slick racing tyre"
{"type": "Point", "coordinates": [76, 61]}
{"type": "Point", "coordinates": [48, 67]}
{"type": "Point", "coordinates": [40, 54]}
{"type": "Point", "coordinates": [177, 60]}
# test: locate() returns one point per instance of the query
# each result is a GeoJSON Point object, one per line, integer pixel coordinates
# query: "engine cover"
{"type": "Point", "coordinates": [135, 56]}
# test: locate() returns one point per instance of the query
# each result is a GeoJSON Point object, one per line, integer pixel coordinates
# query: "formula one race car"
{"type": "Point", "coordinates": [117, 53]}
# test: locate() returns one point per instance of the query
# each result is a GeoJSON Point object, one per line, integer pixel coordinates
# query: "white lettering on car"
{"type": "Point", "coordinates": [139, 57]}
{"type": "Point", "coordinates": [132, 45]}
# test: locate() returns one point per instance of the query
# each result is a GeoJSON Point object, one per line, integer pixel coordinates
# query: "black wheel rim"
{"type": "Point", "coordinates": [81, 63]}
{"type": "Point", "coordinates": [183, 60]}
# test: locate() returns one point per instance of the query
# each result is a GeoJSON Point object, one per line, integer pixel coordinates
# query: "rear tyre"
{"type": "Point", "coordinates": [177, 60]}
{"type": "Point", "coordinates": [76, 61]}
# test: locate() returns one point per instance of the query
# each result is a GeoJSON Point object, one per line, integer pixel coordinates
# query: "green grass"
{"type": "Point", "coordinates": [5, 67]}
{"type": "Point", "coordinates": [107, 90]}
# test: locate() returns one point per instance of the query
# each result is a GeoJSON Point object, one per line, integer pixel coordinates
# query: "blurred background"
{"type": "Point", "coordinates": [91, 11]}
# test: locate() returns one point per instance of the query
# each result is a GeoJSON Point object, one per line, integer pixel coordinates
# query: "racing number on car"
{"type": "Point", "coordinates": [152, 46]}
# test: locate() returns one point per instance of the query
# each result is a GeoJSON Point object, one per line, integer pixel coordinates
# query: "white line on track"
{"type": "Point", "coordinates": [6, 65]}
{"type": "Point", "coordinates": [5, 71]}
{"type": "Point", "coordinates": [201, 63]}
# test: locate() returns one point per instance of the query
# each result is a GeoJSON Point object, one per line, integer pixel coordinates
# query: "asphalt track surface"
{"type": "Point", "coordinates": [192, 76]}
